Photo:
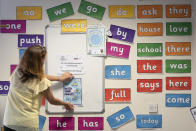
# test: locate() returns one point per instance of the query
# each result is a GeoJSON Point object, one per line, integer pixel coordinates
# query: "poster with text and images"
{"type": "Point", "coordinates": [96, 40]}
{"type": "Point", "coordinates": [72, 91]}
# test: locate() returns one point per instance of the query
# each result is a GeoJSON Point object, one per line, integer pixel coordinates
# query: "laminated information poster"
{"type": "Point", "coordinates": [96, 41]}
{"type": "Point", "coordinates": [70, 63]}
{"type": "Point", "coordinates": [72, 91]}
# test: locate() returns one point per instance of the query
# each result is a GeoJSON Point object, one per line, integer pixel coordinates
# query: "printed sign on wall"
{"type": "Point", "coordinates": [4, 87]}
{"type": "Point", "coordinates": [121, 11]}
{"type": "Point", "coordinates": [27, 40]}
{"type": "Point", "coordinates": [178, 48]}
{"type": "Point", "coordinates": [118, 50]}
{"type": "Point", "coordinates": [149, 66]}
{"type": "Point", "coordinates": [120, 118]}
{"type": "Point", "coordinates": [178, 83]}
{"type": "Point", "coordinates": [90, 123]}
{"type": "Point", "coordinates": [178, 66]}
{"type": "Point", "coordinates": [96, 40]}
{"type": "Point", "coordinates": [118, 95]}
{"type": "Point", "coordinates": [118, 72]}
{"type": "Point", "coordinates": [149, 121]}
{"type": "Point", "coordinates": [60, 11]}
{"type": "Point", "coordinates": [150, 11]}
{"type": "Point", "coordinates": [75, 25]}
{"type": "Point", "coordinates": [61, 123]}
{"type": "Point", "coordinates": [29, 13]}
{"type": "Point", "coordinates": [91, 9]}
{"type": "Point", "coordinates": [178, 28]}
{"type": "Point", "coordinates": [13, 26]}
{"type": "Point", "coordinates": [122, 33]}
{"type": "Point", "coordinates": [149, 85]}
{"type": "Point", "coordinates": [178, 100]}
{"type": "Point", "coordinates": [178, 11]}
{"type": "Point", "coordinates": [149, 49]}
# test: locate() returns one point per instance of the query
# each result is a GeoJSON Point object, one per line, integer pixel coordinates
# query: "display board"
{"type": "Point", "coordinates": [67, 52]}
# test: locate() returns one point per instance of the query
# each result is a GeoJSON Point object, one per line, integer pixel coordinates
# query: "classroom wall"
{"type": "Point", "coordinates": [174, 119]}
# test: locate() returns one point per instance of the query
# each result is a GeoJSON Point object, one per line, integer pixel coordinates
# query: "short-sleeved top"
{"type": "Point", "coordinates": [24, 101]}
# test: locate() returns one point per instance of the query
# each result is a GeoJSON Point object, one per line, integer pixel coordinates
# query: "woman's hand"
{"type": "Point", "coordinates": [66, 77]}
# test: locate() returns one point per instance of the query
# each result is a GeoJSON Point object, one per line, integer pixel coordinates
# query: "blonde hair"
{"type": "Point", "coordinates": [31, 64]}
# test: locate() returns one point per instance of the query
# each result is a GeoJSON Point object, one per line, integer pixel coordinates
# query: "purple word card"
{"type": "Point", "coordinates": [14, 26]}
{"type": "Point", "coordinates": [4, 87]}
{"type": "Point", "coordinates": [26, 40]}
{"type": "Point", "coordinates": [122, 33]}
{"type": "Point", "coordinates": [61, 123]}
{"type": "Point", "coordinates": [90, 123]}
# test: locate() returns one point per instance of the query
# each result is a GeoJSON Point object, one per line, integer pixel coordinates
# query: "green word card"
{"type": "Point", "coordinates": [60, 11]}
{"type": "Point", "coordinates": [178, 66]}
{"type": "Point", "coordinates": [178, 28]}
{"type": "Point", "coordinates": [92, 10]}
{"type": "Point", "coordinates": [149, 49]}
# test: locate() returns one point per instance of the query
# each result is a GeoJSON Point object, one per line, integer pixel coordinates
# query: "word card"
{"type": "Point", "coordinates": [60, 11]}
{"type": "Point", "coordinates": [72, 91]}
{"type": "Point", "coordinates": [42, 120]}
{"type": "Point", "coordinates": [178, 100]}
{"type": "Point", "coordinates": [118, 50]}
{"type": "Point", "coordinates": [121, 11]}
{"type": "Point", "coordinates": [178, 66]}
{"type": "Point", "coordinates": [27, 40]}
{"type": "Point", "coordinates": [118, 72]}
{"type": "Point", "coordinates": [91, 9]}
{"type": "Point", "coordinates": [178, 48]}
{"type": "Point", "coordinates": [178, 11]}
{"type": "Point", "coordinates": [178, 83]}
{"type": "Point", "coordinates": [149, 85]}
{"type": "Point", "coordinates": [120, 118]}
{"type": "Point", "coordinates": [150, 29]}
{"type": "Point", "coordinates": [178, 28]}
{"type": "Point", "coordinates": [90, 123]}
{"type": "Point", "coordinates": [73, 25]}
{"type": "Point", "coordinates": [61, 123]}
{"type": "Point", "coordinates": [122, 33]}
{"type": "Point", "coordinates": [118, 95]}
{"type": "Point", "coordinates": [149, 11]}
{"type": "Point", "coordinates": [12, 68]}
{"type": "Point", "coordinates": [149, 49]}
{"type": "Point", "coordinates": [29, 13]}
{"type": "Point", "coordinates": [13, 26]}
{"type": "Point", "coordinates": [21, 52]}
{"type": "Point", "coordinates": [4, 87]}
{"type": "Point", "coordinates": [193, 112]}
{"type": "Point", "coordinates": [149, 66]}
{"type": "Point", "coordinates": [149, 121]}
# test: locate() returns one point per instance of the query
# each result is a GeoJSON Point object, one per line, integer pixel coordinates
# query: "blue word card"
{"type": "Point", "coordinates": [121, 117]}
{"type": "Point", "coordinates": [42, 120]}
{"type": "Point", "coordinates": [178, 100]}
{"type": "Point", "coordinates": [149, 121]}
{"type": "Point", "coordinates": [21, 52]}
{"type": "Point", "coordinates": [118, 72]}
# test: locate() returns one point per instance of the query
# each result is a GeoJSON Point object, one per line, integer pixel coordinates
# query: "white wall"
{"type": "Point", "coordinates": [174, 119]}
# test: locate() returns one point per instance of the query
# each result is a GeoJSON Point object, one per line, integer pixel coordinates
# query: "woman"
{"type": "Point", "coordinates": [27, 87]}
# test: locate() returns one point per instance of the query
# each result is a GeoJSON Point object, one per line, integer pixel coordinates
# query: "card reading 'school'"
{"type": "Point", "coordinates": [72, 91]}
